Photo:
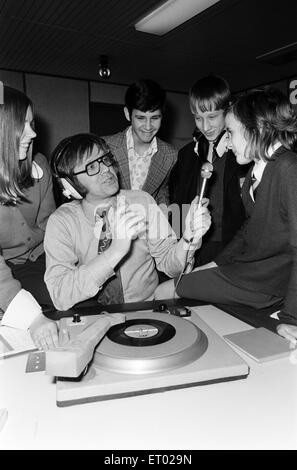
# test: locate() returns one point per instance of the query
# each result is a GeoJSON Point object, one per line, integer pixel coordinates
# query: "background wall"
{"type": "Point", "coordinates": [62, 106]}
{"type": "Point", "coordinates": [13, 79]}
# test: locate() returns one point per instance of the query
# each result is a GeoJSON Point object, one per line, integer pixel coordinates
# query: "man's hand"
{"type": "Point", "coordinates": [198, 220]}
{"type": "Point", "coordinates": [44, 333]}
{"type": "Point", "coordinates": [126, 225]}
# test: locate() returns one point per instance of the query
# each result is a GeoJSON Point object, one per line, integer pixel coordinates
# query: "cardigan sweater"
{"type": "Point", "coordinates": [71, 243]}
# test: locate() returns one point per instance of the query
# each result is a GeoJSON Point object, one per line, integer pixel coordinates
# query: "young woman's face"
{"type": "Point", "coordinates": [237, 141]}
{"type": "Point", "coordinates": [27, 136]}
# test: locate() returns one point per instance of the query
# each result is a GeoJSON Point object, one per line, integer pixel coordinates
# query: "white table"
{"type": "Point", "coordinates": [259, 412]}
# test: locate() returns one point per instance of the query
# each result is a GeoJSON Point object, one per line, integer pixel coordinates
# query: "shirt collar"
{"type": "Point", "coordinates": [221, 144]}
{"type": "Point", "coordinates": [260, 165]}
{"type": "Point", "coordinates": [130, 141]}
{"type": "Point", "coordinates": [258, 169]}
{"type": "Point", "coordinates": [130, 144]}
{"type": "Point", "coordinates": [37, 171]}
{"type": "Point", "coordinates": [273, 148]}
{"type": "Point", "coordinates": [100, 208]}
{"type": "Point", "coordinates": [90, 210]}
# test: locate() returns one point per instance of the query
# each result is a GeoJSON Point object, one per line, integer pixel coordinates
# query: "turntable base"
{"type": "Point", "coordinates": [148, 362]}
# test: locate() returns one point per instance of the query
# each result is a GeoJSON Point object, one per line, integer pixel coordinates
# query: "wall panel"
{"type": "Point", "coordinates": [12, 79]}
{"type": "Point", "coordinates": [61, 108]}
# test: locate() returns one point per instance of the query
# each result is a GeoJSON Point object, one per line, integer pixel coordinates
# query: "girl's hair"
{"type": "Point", "coordinates": [211, 93]}
{"type": "Point", "coordinates": [267, 117]}
{"type": "Point", "coordinates": [73, 151]}
{"type": "Point", "coordinates": [15, 174]}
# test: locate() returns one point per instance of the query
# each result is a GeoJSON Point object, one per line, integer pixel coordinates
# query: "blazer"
{"type": "Point", "coordinates": [263, 255]}
{"type": "Point", "coordinates": [156, 183]}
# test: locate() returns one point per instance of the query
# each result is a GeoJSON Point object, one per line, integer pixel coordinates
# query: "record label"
{"type": "Point", "coordinates": [141, 332]}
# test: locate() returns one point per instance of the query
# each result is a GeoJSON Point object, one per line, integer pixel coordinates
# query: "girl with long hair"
{"type": "Point", "coordinates": [26, 201]}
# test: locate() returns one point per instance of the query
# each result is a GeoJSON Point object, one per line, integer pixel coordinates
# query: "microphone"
{"type": "Point", "coordinates": [206, 172]}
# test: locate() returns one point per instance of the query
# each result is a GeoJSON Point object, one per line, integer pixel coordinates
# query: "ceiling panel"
{"type": "Point", "coordinates": [67, 37]}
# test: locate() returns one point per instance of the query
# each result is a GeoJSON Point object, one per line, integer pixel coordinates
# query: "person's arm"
{"type": "Point", "coordinates": [197, 223]}
{"type": "Point", "coordinates": [288, 209]}
{"type": "Point", "coordinates": [174, 181]}
{"type": "Point", "coordinates": [20, 310]}
{"type": "Point", "coordinates": [182, 184]}
{"type": "Point", "coordinates": [45, 205]}
{"type": "Point", "coordinates": [171, 256]}
{"type": "Point", "coordinates": [9, 286]}
{"type": "Point", "coordinates": [69, 282]}
{"type": "Point", "coordinates": [47, 202]}
{"type": "Point", "coordinates": [163, 193]}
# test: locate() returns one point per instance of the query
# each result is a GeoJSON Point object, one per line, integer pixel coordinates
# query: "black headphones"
{"type": "Point", "coordinates": [69, 189]}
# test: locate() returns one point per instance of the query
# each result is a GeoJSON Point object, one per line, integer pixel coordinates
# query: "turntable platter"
{"type": "Point", "coordinates": [148, 343]}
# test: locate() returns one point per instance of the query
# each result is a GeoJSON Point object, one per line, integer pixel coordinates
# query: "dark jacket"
{"type": "Point", "coordinates": [185, 184]}
{"type": "Point", "coordinates": [263, 254]}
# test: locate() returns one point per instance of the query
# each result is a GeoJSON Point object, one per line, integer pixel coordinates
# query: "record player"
{"type": "Point", "coordinates": [151, 352]}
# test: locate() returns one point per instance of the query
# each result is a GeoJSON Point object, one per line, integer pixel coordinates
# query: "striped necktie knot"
{"type": "Point", "coordinates": [253, 186]}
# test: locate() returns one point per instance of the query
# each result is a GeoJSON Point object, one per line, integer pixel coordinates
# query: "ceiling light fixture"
{"type": "Point", "coordinates": [104, 70]}
{"type": "Point", "coordinates": [171, 14]}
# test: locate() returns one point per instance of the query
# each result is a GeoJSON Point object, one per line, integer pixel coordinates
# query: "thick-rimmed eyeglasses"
{"type": "Point", "coordinates": [93, 167]}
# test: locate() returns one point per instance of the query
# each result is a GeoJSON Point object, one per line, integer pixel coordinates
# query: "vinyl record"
{"type": "Point", "coordinates": [141, 332]}
{"type": "Point", "coordinates": [150, 342]}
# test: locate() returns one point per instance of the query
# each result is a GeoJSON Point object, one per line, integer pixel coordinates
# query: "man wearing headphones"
{"type": "Point", "coordinates": [105, 244]}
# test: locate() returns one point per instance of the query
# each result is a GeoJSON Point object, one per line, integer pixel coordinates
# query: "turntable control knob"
{"type": "Point", "coordinates": [76, 318]}
{"type": "Point", "coordinates": [162, 307]}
